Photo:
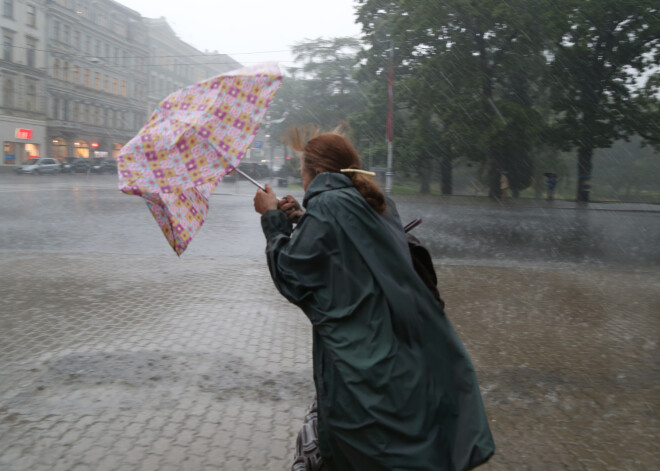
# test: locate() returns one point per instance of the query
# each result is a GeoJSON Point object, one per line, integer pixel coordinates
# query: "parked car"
{"type": "Point", "coordinates": [38, 166]}
{"type": "Point", "coordinates": [66, 165]}
{"type": "Point", "coordinates": [80, 165]}
{"type": "Point", "coordinates": [104, 165]}
{"type": "Point", "coordinates": [256, 170]}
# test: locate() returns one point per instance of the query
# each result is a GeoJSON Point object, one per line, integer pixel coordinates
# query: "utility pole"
{"type": "Point", "coordinates": [390, 96]}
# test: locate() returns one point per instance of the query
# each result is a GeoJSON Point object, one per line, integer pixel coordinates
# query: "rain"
{"type": "Point", "coordinates": [524, 134]}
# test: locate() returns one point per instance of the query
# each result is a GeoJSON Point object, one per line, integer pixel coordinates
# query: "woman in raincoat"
{"type": "Point", "coordinates": [395, 387]}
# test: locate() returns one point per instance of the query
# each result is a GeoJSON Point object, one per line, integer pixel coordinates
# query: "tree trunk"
{"type": "Point", "coordinates": [425, 180]}
{"type": "Point", "coordinates": [495, 179]}
{"type": "Point", "coordinates": [446, 175]}
{"type": "Point", "coordinates": [584, 174]}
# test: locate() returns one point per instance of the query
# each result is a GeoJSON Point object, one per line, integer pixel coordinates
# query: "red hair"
{"type": "Point", "coordinates": [331, 152]}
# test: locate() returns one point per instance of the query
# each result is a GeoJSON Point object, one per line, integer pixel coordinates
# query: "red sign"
{"type": "Point", "coordinates": [95, 144]}
{"type": "Point", "coordinates": [23, 133]}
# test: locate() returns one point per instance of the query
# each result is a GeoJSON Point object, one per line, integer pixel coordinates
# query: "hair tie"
{"type": "Point", "coordinates": [357, 170]}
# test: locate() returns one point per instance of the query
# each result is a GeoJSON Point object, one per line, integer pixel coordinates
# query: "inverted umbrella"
{"type": "Point", "coordinates": [194, 137]}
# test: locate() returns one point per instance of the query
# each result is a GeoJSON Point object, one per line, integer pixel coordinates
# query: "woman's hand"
{"type": "Point", "coordinates": [265, 200]}
{"type": "Point", "coordinates": [290, 206]}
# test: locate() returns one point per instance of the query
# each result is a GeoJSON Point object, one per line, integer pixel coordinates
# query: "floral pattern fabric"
{"type": "Point", "coordinates": [194, 137]}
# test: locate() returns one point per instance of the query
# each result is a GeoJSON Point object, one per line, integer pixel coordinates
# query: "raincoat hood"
{"type": "Point", "coordinates": [324, 182]}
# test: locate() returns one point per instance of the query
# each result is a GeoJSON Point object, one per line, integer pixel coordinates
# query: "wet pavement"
{"type": "Point", "coordinates": [118, 355]}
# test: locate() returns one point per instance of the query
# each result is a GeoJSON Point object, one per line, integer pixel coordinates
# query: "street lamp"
{"type": "Point", "coordinates": [371, 163]}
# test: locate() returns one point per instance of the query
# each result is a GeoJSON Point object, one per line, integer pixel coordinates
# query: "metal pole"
{"type": "Point", "coordinates": [249, 178]}
{"type": "Point", "coordinates": [388, 173]}
{"type": "Point", "coordinates": [371, 157]}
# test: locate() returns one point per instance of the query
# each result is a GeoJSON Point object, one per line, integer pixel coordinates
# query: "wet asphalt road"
{"type": "Point", "coordinates": [118, 355]}
{"type": "Point", "coordinates": [87, 214]}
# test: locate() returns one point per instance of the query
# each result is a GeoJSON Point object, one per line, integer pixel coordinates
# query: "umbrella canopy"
{"type": "Point", "coordinates": [194, 137]}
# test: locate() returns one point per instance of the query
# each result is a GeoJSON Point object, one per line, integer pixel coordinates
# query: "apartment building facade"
{"type": "Point", "coordinates": [80, 77]}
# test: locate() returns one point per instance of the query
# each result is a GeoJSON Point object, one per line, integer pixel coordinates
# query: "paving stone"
{"type": "Point", "coordinates": [154, 378]}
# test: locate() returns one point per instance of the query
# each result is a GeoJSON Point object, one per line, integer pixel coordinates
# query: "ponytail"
{"type": "Point", "coordinates": [369, 191]}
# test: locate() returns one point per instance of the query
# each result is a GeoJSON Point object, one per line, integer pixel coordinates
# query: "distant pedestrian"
{"type": "Point", "coordinates": [504, 183]}
{"type": "Point", "coordinates": [395, 387]}
{"type": "Point", "coordinates": [552, 179]}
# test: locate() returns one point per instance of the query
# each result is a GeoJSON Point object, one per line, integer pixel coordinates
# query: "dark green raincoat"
{"type": "Point", "coordinates": [396, 388]}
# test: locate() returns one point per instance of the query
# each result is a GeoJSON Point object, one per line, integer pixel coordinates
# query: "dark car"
{"type": "Point", "coordinates": [66, 165]}
{"type": "Point", "coordinates": [104, 165]}
{"type": "Point", "coordinates": [80, 165]}
{"type": "Point", "coordinates": [256, 170]}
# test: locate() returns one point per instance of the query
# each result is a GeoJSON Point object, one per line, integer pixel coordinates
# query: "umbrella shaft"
{"type": "Point", "coordinates": [245, 175]}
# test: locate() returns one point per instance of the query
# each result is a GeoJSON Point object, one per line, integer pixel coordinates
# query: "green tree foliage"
{"type": "Point", "coordinates": [599, 45]}
{"type": "Point", "coordinates": [646, 116]}
{"type": "Point", "coordinates": [320, 91]}
{"type": "Point", "coordinates": [475, 64]}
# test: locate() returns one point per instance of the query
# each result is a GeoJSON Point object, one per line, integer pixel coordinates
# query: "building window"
{"type": "Point", "coordinates": [86, 78]}
{"type": "Point", "coordinates": [55, 111]}
{"type": "Point", "coordinates": [123, 88]}
{"type": "Point", "coordinates": [97, 81]}
{"type": "Point", "coordinates": [8, 9]}
{"type": "Point", "coordinates": [66, 32]}
{"type": "Point", "coordinates": [8, 92]}
{"type": "Point", "coordinates": [115, 86]}
{"type": "Point", "coordinates": [106, 84]}
{"type": "Point", "coordinates": [76, 74]}
{"type": "Point", "coordinates": [7, 47]}
{"type": "Point", "coordinates": [31, 96]}
{"type": "Point", "coordinates": [31, 16]}
{"type": "Point", "coordinates": [31, 52]}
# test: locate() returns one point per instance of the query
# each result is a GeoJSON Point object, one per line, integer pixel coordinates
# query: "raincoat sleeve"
{"type": "Point", "coordinates": [299, 261]}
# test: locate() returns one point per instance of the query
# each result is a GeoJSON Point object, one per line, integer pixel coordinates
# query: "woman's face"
{"type": "Point", "coordinates": [306, 174]}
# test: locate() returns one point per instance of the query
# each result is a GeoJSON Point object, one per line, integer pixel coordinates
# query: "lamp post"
{"type": "Point", "coordinates": [369, 140]}
{"type": "Point", "coordinates": [390, 103]}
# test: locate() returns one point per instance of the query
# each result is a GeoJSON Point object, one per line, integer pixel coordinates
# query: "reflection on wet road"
{"type": "Point", "coordinates": [84, 214]}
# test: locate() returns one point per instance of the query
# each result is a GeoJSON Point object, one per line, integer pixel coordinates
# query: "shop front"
{"type": "Point", "coordinates": [21, 140]}
{"type": "Point", "coordinates": [65, 146]}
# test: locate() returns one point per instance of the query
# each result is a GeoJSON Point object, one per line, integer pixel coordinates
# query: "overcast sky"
{"type": "Point", "coordinates": [252, 31]}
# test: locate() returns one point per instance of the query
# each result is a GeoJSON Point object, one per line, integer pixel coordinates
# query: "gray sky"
{"type": "Point", "coordinates": [252, 31]}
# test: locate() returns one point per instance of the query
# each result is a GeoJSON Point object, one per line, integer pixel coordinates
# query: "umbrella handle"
{"type": "Point", "coordinates": [245, 175]}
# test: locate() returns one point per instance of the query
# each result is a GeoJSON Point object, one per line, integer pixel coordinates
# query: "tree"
{"type": "Point", "coordinates": [330, 93]}
{"type": "Point", "coordinates": [476, 63]}
{"type": "Point", "coordinates": [598, 47]}
{"type": "Point", "coordinates": [321, 90]}
{"type": "Point", "coordinates": [646, 115]}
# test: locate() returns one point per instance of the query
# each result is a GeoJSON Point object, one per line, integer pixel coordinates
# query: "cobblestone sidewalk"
{"type": "Point", "coordinates": [117, 362]}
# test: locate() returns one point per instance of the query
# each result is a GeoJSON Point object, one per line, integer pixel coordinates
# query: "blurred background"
{"type": "Point", "coordinates": [517, 99]}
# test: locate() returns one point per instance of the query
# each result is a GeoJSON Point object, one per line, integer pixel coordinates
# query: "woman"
{"type": "Point", "coordinates": [395, 387]}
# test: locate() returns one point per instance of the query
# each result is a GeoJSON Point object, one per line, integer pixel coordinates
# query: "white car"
{"type": "Point", "coordinates": [39, 166]}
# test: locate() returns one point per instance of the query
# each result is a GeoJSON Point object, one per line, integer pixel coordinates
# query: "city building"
{"type": "Point", "coordinates": [96, 62]}
{"type": "Point", "coordinates": [22, 77]}
{"type": "Point", "coordinates": [79, 78]}
{"type": "Point", "coordinates": [174, 64]}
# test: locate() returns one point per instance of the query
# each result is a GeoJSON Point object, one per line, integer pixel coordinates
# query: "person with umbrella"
{"type": "Point", "coordinates": [395, 387]}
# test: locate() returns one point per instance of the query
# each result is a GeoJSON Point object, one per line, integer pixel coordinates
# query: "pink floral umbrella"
{"type": "Point", "coordinates": [195, 137]}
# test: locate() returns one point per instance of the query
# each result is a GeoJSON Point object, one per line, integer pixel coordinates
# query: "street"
{"type": "Point", "coordinates": [118, 355]}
